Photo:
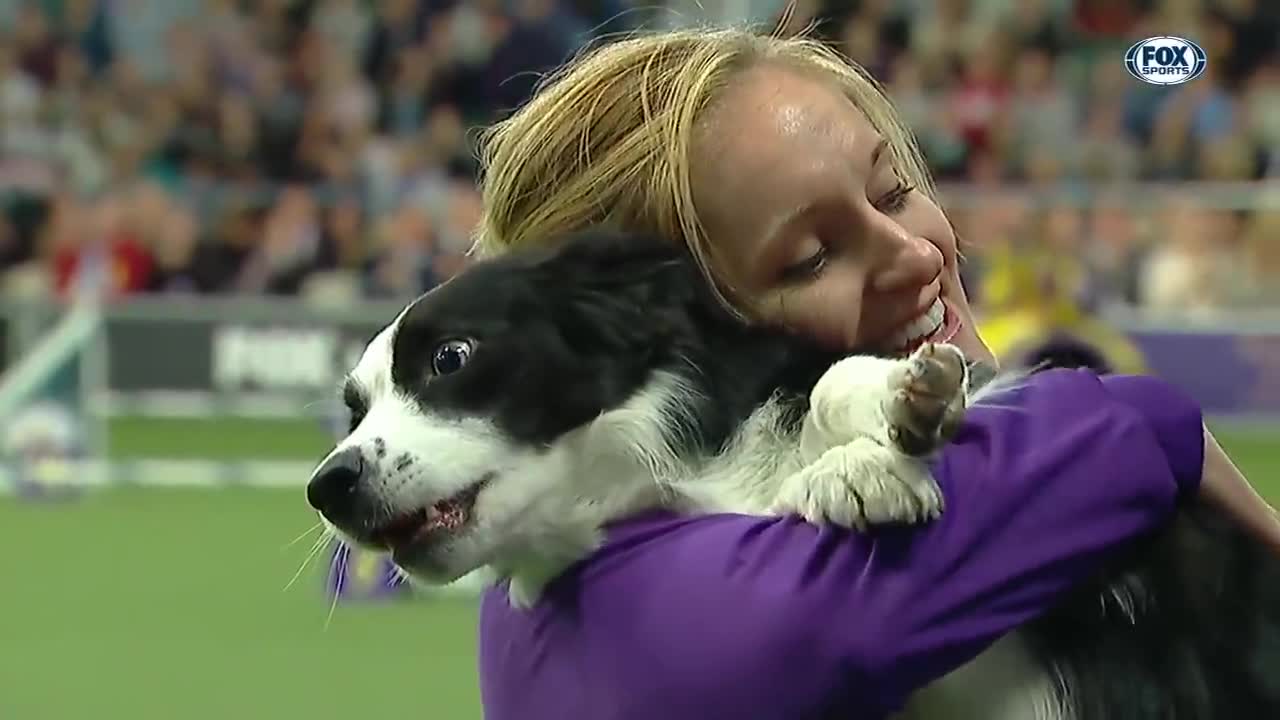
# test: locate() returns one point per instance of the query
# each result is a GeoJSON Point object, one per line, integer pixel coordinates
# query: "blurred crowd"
{"type": "Point", "coordinates": [263, 146]}
{"type": "Point", "coordinates": [1037, 91]}
{"type": "Point", "coordinates": [322, 146]}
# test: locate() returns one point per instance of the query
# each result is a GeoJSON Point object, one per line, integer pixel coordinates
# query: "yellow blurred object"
{"type": "Point", "coordinates": [1029, 298]}
{"type": "Point", "coordinates": [1019, 333]}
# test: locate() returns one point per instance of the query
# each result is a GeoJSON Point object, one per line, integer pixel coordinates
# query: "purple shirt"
{"type": "Point", "coordinates": [730, 616]}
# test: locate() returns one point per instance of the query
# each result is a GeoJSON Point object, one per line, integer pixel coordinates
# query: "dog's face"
{"type": "Point", "coordinates": [459, 406]}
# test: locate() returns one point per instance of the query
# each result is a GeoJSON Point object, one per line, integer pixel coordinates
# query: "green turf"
{"type": "Point", "coordinates": [169, 604]}
{"type": "Point", "coordinates": [149, 603]}
{"type": "Point", "coordinates": [216, 438]}
{"type": "Point", "coordinates": [1257, 451]}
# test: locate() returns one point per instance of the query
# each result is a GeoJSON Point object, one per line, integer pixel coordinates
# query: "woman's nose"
{"type": "Point", "coordinates": [909, 263]}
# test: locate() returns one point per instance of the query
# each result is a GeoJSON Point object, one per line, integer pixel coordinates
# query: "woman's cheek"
{"type": "Point", "coordinates": [926, 219]}
{"type": "Point", "coordinates": [831, 315]}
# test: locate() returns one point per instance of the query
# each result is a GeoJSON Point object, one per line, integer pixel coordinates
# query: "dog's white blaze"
{"type": "Point", "coordinates": [423, 458]}
{"type": "Point", "coordinates": [419, 459]}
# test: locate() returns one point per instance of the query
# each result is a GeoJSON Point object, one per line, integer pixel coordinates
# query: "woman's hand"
{"type": "Point", "coordinates": [1225, 487]}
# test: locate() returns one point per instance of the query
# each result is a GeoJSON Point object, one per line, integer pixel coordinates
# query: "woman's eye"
{"type": "Point", "coordinates": [807, 268]}
{"type": "Point", "coordinates": [450, 356]}
{"type": "Point", "coordinates": [896, 199]}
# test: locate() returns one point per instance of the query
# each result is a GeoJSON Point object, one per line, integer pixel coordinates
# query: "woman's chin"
{"type": "Point", "coordinates": [962, 333]}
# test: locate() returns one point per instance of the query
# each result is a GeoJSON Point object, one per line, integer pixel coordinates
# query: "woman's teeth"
{"type": "Point", "coordinates": [922, 327]}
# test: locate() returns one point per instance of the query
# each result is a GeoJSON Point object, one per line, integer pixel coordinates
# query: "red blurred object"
{"type": "Point", "coordinates": [129, 266]}
{"type": "Point", "coordinates": [1106, 18]}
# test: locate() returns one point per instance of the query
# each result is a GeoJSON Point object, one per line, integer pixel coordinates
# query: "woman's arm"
{"type": "Point", "coordinates": [1225, 487]}
{"type": "Point", "coordinates": [1042, 485]}
{"type": "Point", "coordinates": [743, 616]}
{"type": "Point", "coordinates": [1222, 485]}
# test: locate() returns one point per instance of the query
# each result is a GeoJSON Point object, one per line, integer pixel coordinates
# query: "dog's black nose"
{"type": "Point", "coordinates": [333, 486]}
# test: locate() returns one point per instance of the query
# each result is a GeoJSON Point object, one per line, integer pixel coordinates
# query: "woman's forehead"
{"type": "Point", "coordinates": [776, 141]}
{"type": "Point", "coordinates": [770, 114]}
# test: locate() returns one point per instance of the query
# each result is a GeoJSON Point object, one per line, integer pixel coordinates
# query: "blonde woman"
{"type": "Point", "coordinates": [791, 179]}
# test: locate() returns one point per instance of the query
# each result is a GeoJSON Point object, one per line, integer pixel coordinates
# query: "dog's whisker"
{"type": "Point", "coordinates": [303, 535]}
{"type": "Point", "coordinates": [316, 547]}
{"type": "Point", "coordinates": [326, 401]}
{"type": "Point", "coordinates": [333, 603]}
{"type": "Point", "coordinates": [306, 562]}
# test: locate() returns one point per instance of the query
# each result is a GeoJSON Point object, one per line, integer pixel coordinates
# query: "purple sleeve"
{"type": "Point", "coordinates": [1041, 484]}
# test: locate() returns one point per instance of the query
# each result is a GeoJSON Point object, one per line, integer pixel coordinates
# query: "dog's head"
{"type": "Point", "coordinates": [462, 408]}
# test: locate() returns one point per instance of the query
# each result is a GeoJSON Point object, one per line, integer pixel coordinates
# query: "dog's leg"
{"type": "Point", "coordinates": [870, 423]}
{"type": "Point", "coordinates": [859, 484]}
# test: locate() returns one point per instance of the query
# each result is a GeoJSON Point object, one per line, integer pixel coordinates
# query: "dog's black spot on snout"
{"type": "Point", "coordinates": [403, 461]}
{"type": "Point", "coordinates": [379, 448]}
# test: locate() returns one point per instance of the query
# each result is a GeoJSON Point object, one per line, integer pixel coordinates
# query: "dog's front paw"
{"type": "Point", "coordinates": [928, 400]}
{"type": "Point", "coordinates": [861, 484]}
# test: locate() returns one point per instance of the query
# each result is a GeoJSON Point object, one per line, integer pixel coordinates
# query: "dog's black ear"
{"type": "Point", "coordinates": [620, 292]}
{"type": "Point", "coordinates": [626, 261]}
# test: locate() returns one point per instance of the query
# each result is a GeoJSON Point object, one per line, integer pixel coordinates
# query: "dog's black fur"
{"type": "Point", "coordinates": [1200, 639]}
{"type": "Point", "coordinates": [598, 315]}
{"type": "Point", "coordinates": [1196, 636]}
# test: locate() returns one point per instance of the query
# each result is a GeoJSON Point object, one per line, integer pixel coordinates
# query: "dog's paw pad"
{"type": "Point", "coordinates": [928, 400]}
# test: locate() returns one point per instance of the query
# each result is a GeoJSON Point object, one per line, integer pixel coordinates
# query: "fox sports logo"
{"type": "Point", "coordinates": [1165, 60]}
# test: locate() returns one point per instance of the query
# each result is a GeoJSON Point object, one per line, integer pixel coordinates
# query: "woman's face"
{"type": "Point", "coordinates": [810, 222]}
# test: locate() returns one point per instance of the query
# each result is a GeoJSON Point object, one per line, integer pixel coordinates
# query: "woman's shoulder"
{"type": "Point", "coordinates": [1069, 408]}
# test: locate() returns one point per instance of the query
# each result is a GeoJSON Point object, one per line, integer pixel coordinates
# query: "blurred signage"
{"type": "Point", "coordinates": [1236, 374]}
{"type": "Point", "coordinates": [275, 358]}
{"type": "Point", "coordinates": [146, 354]}
{"type": "Point", "coordinates": [291, 361]}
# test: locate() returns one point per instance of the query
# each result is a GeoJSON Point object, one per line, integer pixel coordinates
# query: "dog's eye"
{"type": "Point", "coordinates": [355, 403]}
{"type": "Point", "coordinates": [450, 356]}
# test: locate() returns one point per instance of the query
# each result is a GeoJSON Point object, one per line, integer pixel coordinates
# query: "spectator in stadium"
{"type": "Point", "coordinates": [1189, 271]}
{"type": "Point", "coordinates": [211, 96]}
{"type": "Point", "coordinates": [1258, 280]}
{"type": "Point", "coordinates": [789, 176]}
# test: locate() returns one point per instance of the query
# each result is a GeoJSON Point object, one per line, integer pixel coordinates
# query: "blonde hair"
{"type": "Point", "coordinates": [607, 140]}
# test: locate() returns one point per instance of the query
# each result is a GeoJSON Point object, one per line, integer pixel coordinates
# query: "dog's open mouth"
{"type": "Point", "coordinates": [439, 519]}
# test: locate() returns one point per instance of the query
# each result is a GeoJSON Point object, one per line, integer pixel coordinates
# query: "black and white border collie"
{"type": "Point", "coordinates": [503, 418]}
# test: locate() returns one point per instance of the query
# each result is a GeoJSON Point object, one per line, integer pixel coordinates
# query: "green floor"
{"type": "Point", "coordinates": [149, 603]}
{"type": "Point", "coordinates": [170, 604]}
{"type": "Point", "coordinates": [216, 439]}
